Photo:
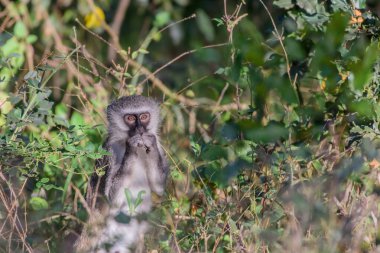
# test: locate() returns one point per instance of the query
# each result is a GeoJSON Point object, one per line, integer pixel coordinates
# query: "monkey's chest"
{"type": "Point", "coordinates": [132, 194]}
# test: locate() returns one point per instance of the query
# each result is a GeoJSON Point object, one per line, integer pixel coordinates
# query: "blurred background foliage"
{"type": "Point", "coordinates": [270, 119]}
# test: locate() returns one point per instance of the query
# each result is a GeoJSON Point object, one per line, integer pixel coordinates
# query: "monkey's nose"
{"type": "Point", "coordinates": [140, 130]}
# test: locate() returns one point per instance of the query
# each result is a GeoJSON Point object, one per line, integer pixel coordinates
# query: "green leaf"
{"type": "Point", "coordinates": [218, 21]}
{"type": "Point", "coordinates": [340, 5]}
{"type": "Point", "coordinates": [42, 95]}
{"type": "Point", "coordinates": [328, 49]}
{"type": "Point", "coordinates": [31, 74]}
{"type": "Point", "coordinates": [143, 51]}
{"type": "Point", "coordinates": [14, 115]}
{"type": "Point", "coordinates": [236, 68]}
{"type": "Point", "coordinates": [139, 198]}
{"type": "Point", "coordinates": [272, 132]}
{"type": "Point", "coordinates": [48, 187]}
{"type": "Point", "coordinates": [76, 119]}
{"type": "Point", "coordinates": [128, 196]}
{"type": "Point", "coordinates": [20, 30]}
{"type": "Point", "coordinates": [4, 37]}
{"type": "Point", "coordinates": [359, 4]}
{"type": "Point", "coordinates": [45, 67]}
{"type": "Point", "coordinates": [31, 39]}
{"type": "Point", "coordinates": [286, 4]}
{"type": "Point", "coordinates": [123, 53]}
{"type": "Point", "coordinates": [38, 203]}
{"type": "Point", "coordinates": [230, 171]}
{"type": "Point", "coordinates": [61, 110]}
{"type": "Point", "coordinates": [363, 107]}
{"type": "Point", "coordinates": [122, 218]}
{"type": "Point", "coordinates": [230, 131]}
{"type": "Point", "coordinates": [205, 25]}
{"type": "Point", "coordinates": [310, 6]}
{"type": "Point", "coordinates": [135, 54]}
{"type": "Point", "coordinates": [213, 152]}
{"type": "Point", "coordinates": [127, 75]}
{"type": "Point", "coordinates": [294, 49]}
{"type": "Point", "coordinates": [162, 18]}
{"type": "Point", "coordinates": [220, 71]}
{"type": "Point", "coordinates": [44, 180]}
{"type": "Point", "coordinates": [190, 93]}
{"type": "Point", "coordinates": [45, 107]}
{"type": "Point", "coordinates": [195, 147]}
{"type": "Point", "coordinates": [14, 99]}
{"type": "Point", "coordinates": [363, 69]}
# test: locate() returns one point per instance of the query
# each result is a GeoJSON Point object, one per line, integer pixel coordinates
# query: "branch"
{"type": "Point", "coordinates": [116, 25]}
{"type": "Point", "coordinates": [279, 37]}
{"type": "Point", "coordinates": [151, 75]}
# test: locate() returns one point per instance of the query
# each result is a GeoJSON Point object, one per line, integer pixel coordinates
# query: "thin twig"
{"type": "Point", "coordinates": [82, 199]}
{"type": "Point", "coordinates": [177, 22]}
{"type": "Point", "coordinates": [179, 57]}
{"type": "Point", "coordinates": [280, 40]}
{"type": "Point", "coordinates": [191, 84]}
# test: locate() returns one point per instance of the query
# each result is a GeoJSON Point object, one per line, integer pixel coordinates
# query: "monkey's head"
{"type": "Point", "coordinates": [131, 115]}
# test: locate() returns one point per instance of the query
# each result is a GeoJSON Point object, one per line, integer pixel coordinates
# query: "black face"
{"type": "Point", "coordinates": [137, 123]}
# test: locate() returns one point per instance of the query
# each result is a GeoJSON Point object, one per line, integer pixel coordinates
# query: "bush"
{"type": "Point", "coordinates": [272, 136]}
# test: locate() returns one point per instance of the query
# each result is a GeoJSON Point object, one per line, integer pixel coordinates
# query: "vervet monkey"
{"type": "Point", "coordinates": [136, 167]}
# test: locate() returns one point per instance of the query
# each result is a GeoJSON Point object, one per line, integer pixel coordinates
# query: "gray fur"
{"type": "Point", "coordinates": [137, 164]}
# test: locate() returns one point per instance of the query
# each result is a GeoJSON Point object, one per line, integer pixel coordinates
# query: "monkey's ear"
{"type": "Point", "coordinates": [110, 110]}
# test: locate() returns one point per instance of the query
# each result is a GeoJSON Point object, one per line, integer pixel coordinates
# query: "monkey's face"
{"type": "Point", "coordinates": [137, 123]}
{"type": "Point", "coordinates": [133, 115]}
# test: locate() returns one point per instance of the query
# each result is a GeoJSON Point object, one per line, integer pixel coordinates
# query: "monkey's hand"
{"type": "Point", "coordinates": [136, 142]}
{"type": "Point", "coordinates": [156, 167]}
{"type": "Point", "coordinates": [150, 142]}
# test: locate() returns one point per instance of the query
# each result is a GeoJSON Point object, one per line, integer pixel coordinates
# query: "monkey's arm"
{"type": "Point", "coordinates": [96, 184]}
{"type": "Point", "coordinates": [157, 167]}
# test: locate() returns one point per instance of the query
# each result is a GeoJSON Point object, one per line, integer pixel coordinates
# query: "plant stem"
{"type": "Point", "coordinates": [34, 97]}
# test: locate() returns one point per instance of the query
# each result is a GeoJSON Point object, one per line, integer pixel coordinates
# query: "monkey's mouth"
{"type": "Point", "coordinates": [147, 149]}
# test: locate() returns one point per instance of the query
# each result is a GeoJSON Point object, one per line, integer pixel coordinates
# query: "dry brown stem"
{"type": "Point", "coordinates": [116, 25]}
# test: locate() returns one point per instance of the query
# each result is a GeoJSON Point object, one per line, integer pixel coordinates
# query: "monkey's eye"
{"type": "Point", "coordinates": [129, 118]}
{"type": "Point", "coordinates": [144, 117]}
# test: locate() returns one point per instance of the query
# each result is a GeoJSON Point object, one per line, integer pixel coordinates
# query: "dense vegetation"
{"type": "Point", "coordinates": [270, 119]}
